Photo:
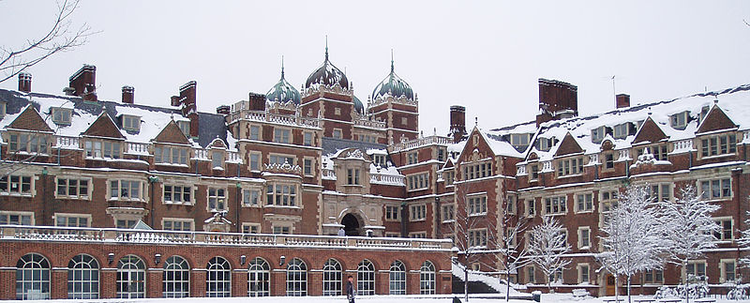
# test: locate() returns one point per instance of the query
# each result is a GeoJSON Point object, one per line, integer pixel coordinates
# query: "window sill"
{"type": "Point", "coordinates": [126, 200]}
{"type": "Point", "coordinates": [450, 221]}
{"type": "Point", "coordinates": [281, 206]}
{"type": "Point", "coordinates": [171, 164]}
{"type": "Point", "coordinates": [16, 194]}
{"type": "Point", "coordinates": [717, 156]}
{"type": "Point", "coordinates": [417, 189]}
{"type": "Point", "coordinates": [584, 211]}
{"type": "Point", "coordinates": [251, 205]}
{"type": "Point", "coordinates": [73, 198]}
{"type": "Point", "coordinates": [177, 203]}
{"type": "Point", "coordinates": [556, 214]}
{"type": "Point", "coordinates": [417, 220]}
{"type": "Point", "coordinates": [477, 214]}
{"type": "Point", "coordinates": [569, 176]}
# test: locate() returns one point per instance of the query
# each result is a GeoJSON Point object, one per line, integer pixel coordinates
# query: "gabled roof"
{"type": "Point", "coordinates": [29, 119]}
{"type": "Point", "coordinates": [104, 126]}
{"type": "Point", "coordinates": [716, 119]}
{"type": "Point", "coordinates": [172, 134]}
{"type": "Point", "coordinates": [650, 132]}
{"type": "Point", "coordinates": [568, 146]}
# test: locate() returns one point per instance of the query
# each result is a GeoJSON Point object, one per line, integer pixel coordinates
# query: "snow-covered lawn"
{"type": "Point", "coordinates": [565, 298]}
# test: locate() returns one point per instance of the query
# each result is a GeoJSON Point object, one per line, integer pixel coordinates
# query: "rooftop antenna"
{"type": "Point", "coordinates": [614, 92]}
{"type": "Point", "coordinates": [476, 121]}
{"type": "Point", "coordinates": [282, 66]}
{"type": "Point", "coordinates": [326, 47]}
{"type": "Point", "coordinates": [391, 60]}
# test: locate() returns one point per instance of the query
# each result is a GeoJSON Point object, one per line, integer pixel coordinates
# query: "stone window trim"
{"type": "Point", "coordinates": [29, 142]}
{"type": "Point", "coordinates": [586, 205]}
{"type": "Point", "coordinates": [64, 180]}
{"type": "Point", "coordinates": [6, 217]}
{"type": "Point", "coordinates": [275, 195]}
{"type": "Point", "coordinates": [723, 270]}
{"type": "Point", "coordinates": [711, 146]}
{"type": "Point", "coordinates": [282, 135]}
{"type": "Point", "coordinates": [218, 198]}
{"type": "Point", "coordinates": [58, 216]}
{"type": "Point", "coordinates": [417, 212]}
{"type": "Point", "coordinates": [715, 189]}
{"type": "Point", "coordinates": [722, 234]}
{"type": "Point", "coordinates": [252, 135]}
{"type": "Point", "coordinates": [173, 191]}
{"type": "Point", "coordinates": [392, 213]}
{"type": "Point", "coordinates": [248, 227]}
{"type": "Point", "coordinates": [255, 162]}
{"type": "Point", "coordinates": [142, 188]}
{"type": "Point", "coordinates": [530, 207]}
{"type": "Point", "coordinates": [249, 190]}
{"type": "Point", "coordinates": [581, 231]}
{"type": "Point", "coordinates": [180, 220]}
{"type": "Point", "coordinates": [584, 272]}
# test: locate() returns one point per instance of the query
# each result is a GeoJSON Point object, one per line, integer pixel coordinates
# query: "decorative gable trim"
{"type": "Point", "coordinates": [172, 134]}
{"type": "Point", "coordinates": [30, 119]}
{"type": "Point", "coordinates": [104, 127]}
{"type": "Point", "coordinates": [568, 146]}
{"type": "Point", "coordinates": [715, 120]}
{"type": "Point", "coordinates": [650, 132]}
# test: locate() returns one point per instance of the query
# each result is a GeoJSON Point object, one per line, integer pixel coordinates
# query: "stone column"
{"type": "Point", "coordinates": [107, 283]}
{"type": "Point", "coordinates": [239, 282]}
{"type": "Point", "coordinates": [59, 283]}
{"type": "Point", "coordinates": [198, 282]}
{"type": "Point", "coordinates": [154, 283]}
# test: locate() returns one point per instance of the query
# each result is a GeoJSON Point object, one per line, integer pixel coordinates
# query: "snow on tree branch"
{"type": "Point", "coordinates": [547, 246]}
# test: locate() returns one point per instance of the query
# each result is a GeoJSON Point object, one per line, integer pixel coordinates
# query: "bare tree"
{"type": "Point", "coordinates": [513, 258]}
{"type": "Point", "coordinates": [547, 246]}
{"type": "Point", "coordinates": [61, 37]}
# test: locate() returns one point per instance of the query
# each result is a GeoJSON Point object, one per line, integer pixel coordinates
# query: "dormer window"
{"type": "Point", "coordinates": [543, 144]}
{"type": "Point", "coordinates": [131, 123]}
{"type": "Point", "coordinates": [624, 130]}
{"type": "Point", "coordinates": [184, 127]}
{"type": "Point", "coordinates": [61, 116]}
{"type": "Point", "coordinates": [597, 134]}
{"type": "Point", "coordinates": [519, 141]}
{"type": "Point", "coordinates": [2, 109]}
{"type": "Point", "coordinates": [679, 120]}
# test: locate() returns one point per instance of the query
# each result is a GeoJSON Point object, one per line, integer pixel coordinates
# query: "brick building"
{"type": "Point", "coordinates": [280, 174]}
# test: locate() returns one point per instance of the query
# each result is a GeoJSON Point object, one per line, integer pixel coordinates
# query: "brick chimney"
{"type": "Point", "coordinates": [623, 100]}
{"type": "Point", "coordinates": [223, 110]}
{"type": "Point", "coordinates": [557, 100]}
{"type": "Point", "coordinates": [24, 82]}
{"type": "Point", "coordinates": [83, 83]}
{"type": "Point", "coordinates": [458, 123]}
{"type": "Point", "coordinates": [257, 101]}
{"type": "Point", "coordinates": [128, 94]}
{"type": "Point", "coordinates": [189, 108]}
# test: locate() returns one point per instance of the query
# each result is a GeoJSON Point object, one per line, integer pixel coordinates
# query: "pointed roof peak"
{"type": "Point", "coordinates": [282, 67]}
{"type": "Point", "coordinates": [391, 61]}
{"type": "Point", "coordinates": [326, 47]}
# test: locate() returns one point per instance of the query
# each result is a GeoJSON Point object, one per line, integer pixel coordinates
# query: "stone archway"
{"type": "Point", "coordinates": [352, 225]}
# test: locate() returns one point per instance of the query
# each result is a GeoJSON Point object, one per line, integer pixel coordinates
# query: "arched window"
{"type": "Point", "coordinates": [332, 278]}
{"type": "Point", "coordinates": [176, 278]}
{"type": "Point", "coordinates": [397, 278]}
{"type": "Point", "coordinates": [296, 278]}
{"type": "Point", "coordinates": [427, 278]}
{"type": "Point", "coordinates": [32, 277]}
{"type": "Point", "coordinates": [219, 278]}
{"type": "Point", "coordinates": [365, 278]}
{"type": "Point", "coordinates": [259, 279]}
{"type": "Point", "coordinates": [83, 278]}
{"type": "Point", "coordinates": [131, 278]}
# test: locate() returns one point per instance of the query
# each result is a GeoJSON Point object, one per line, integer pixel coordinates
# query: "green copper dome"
{"type": "Point", "coordinates": [358, 106]}
{"type": "Point", "coordinates": [393, 86]}
{"type": "Point", "coordinates": [328, 75]}
{"type": "Point", "coordinates": [283, 91]}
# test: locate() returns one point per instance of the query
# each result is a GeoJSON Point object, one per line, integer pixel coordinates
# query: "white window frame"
{"type": "Point", "coordinates": [7, 185]}
{"type": "Point", "coordinates": [477, 204]}
{"type": "Point", "coordinates": [257, 136]}
{"type": "Point", "coordinates": [723, 270]}
{"type": "Point", "coordinates": [417, 212]}
{"type": "Point", "coordinates": [447, 213]}
{"type": "Point", "coordinates": [251, 228]}
{"type": "Point", "coordinates": [580, 268]}
{"type": "Point", "coordinates": [721, 236]}
{"type": "Point", "coordinates": [581, 231]}
{"type": "Point", "coordinates": [68, 216]}
{"type": "Point", "coordinates": [561, 202]}
{"type": "Point", "coordinates": [308, 138]}
{"type": "Point", "coordinates": [416, 182]}
{"type": "Point", "coordinates": [569, 167]}
{"type": "Point", "coordinates": [530, 207]}
{"type": "Point", "coordinates": [282, 135]}
{"type": "Point", "coordinates": [587, 203]}
{"type": "Point", "coordinates": [252, 197]}
{"type": "Point", "coordinates": [217, 199]}
{"type": "Point", "coordinates": [133, 123]}
{"type": "Point", "coordinates": [179, 269]}
{"type": "Point", "coordinates": [62, 116]}
{"type": "Point", "coordinates": [171, 155]}
{"type": "Point", "coordinates": [392, 213]}
{"type": "Point", "coordinates": [713, 147]}
{"type": "Point", "coordinates": [141, 190]}
{"type": "Point", "coordinates": [280, 194]}
{"type": "Point", "coordinates": [182, 187]}
{"type": "Point", "coordinates": [255, 162]}
{"type": "Point", "coordinates": [181, 221]}
{"type": "Point", "coordinates": [67, 187]}
{"type": "Point", "coordinates": [709, 194]}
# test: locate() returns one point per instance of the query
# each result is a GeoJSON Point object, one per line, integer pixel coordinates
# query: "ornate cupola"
{"type": "Point", "coordinates": [327, 75]}
{"type": "Point", "coordinates": [393, 86]}
{"type": "Point", "coordinates": [283, 92]}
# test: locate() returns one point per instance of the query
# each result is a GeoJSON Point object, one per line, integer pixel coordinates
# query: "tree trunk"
{"type": "Point", "coordinates": [617, 293]}
{"type": "Point", "coordinates": [507, 289]}
{"type": "Point", "coordinates": [466, 281]}
{"type": "Point", "coordinates": [685, 281]}
{"type": "Point", "coordinates": [629, 289]}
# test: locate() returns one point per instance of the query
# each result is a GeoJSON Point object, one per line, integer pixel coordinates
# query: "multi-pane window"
{"type": "Point", "coordinates": [478, 237]}
{"type": "Point", "coordinates": [584, 237]}
{"type": "Point", "coordinates": [365, 278]}
{"type": "Point", "coordinates": [281, 194]}
{"type": "Point", "coordinates": [61, 116]}
{"type": "Point", "coordinates": [184, 127]}
{"type": "Point", "coordinates": [307, 167]}
{"type": "Point", "coordinates": [178, 224]}
{"type": "Point", "coordinates": [417, 212]}
{"type": "Point", "coordinates": [332, 278]}
{"type": "Point", "coordinates": [659, 151]}
{"type": "Point", "coordinates": [621, 131]}
{"type": "Point", "coordinates": [583, 273]}
{"type": "Point", "coordinates": [719, 145]}
{"type": "Point", "coordinates": [83, 278]}
{"type": "Point", "coordinates": [716, 189]}
{"type": "Point", "coordinates": [218, 278]}
{"type": "Point", "coordinates": [530, 278]}
{"type": "Point", "coordinates": [397, 278]}
{"type": "Point", "coordinates": [418, 235]}
{"type": "Point", "coordinates": [250, 197]}
{"type": "Point", "coordinates": [217, 199]}
{"type": "Point", "coordinates": [510, 204]}
{"type": "Point", "coordinates": [307, 139]}
{"type": "Point", "coordinates": [177, 194]}
{"type": "Point", "coordinates": [725, 232]}
{"type": "Point", "coordinates": [103, 149]}
{"type": "Point", "coordinates": [259, 278]}
{"type": "Point", "coordinates": [72, 188]}
{"type": "Point", "coordinates": [176, 278]}
{"type": "Point", "coordinates": [281, 135]}
{"type": "Point", "coordinates": [411, 158]}
{"type": "Point", "coordinates": [654, 276]}
{"type": "Point", "coordinates": [477, 170]}
{"type": "Point", "coordinates": [696, 268]}
{"type": "Point", "coordinates": [70, 220]}
{"type": "Point", "coordinates": [14, 184]}
{"type": "Point", "coordinates": [131, 278]}
{"type": "Point", "coordinates": [555, 205]}
{"type": "Point", "coordinates": [567, 167]}
{"type": "Point", "coordinates": [441, 154]}
{"type": "Point", "coordinates": [131, 123]}
{"type": "Point", "coordinates": [728, 270]}
{"type": "Point", "coordinates": [282, 229]}
{"type": "Point", "coordinates": [392, 213]}
{"type": "Point", "coordinates": [280, 159]}
{"type": "Point", "coordinates": [609, 160]}
{"type": "Point", "coordinates": [352, 176]}
{"type": "Point", "coordinates": [254, 132]}
{"type": "Point", "coordinates": [597, 134]}
{"type": "Point", "coordinates": [679, 120]}
{"type": "Point", "coordinates": [533, 171]}
{"type": "Point", "coordinates": [125, 190]}
{"type": "Point", "coordinates": [250, 228]}
{"type": "Point", "coordinates": [520, 140]}
{"type": "Point", "coordinates": [378, 160]}
{"type": "Point", "coordinates": [477, 205]}
{"type": "Point", "coordinates": [337, 133]}
{"type": "Point", "coordinates": [28, 143]}
{"type": "Point", "coordinates": [418, 182]}
{"type": "Point", "coordinates": [170, 155]}
{"type": "Point", "coordinates": [296, 278]}
{"type": "Point", "coordinates": [447, 213]}
{"type": "Point", "coordinates": [449, 177]}
{"type": "Point", "coordinates": [427, 278]}
{"type": "Point", "coordinates": [254, 161]}
{"type": "Point", "coordinates": [16, 218]}
{"type": "Point", "coordinates": [121, 223]}
{"type": "Point", "coordinates": [32, 277]}
{"type": "Point", "coordinates": [217, 159]}
{"type": "Point", "coordinates": [660, 192]}
{"type": "Point", "coordinates": [584, 202]}
{"type": "Point", "coordinates": [530, 207]}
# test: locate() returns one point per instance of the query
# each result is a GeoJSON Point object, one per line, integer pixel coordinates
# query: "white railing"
{"type": "Point", "coordinates": [369, 123]}
{"type": "Point", "coordinates": [683, 146]}
{"type": "Point", "coordinates": [623, 155]}
{"type": "Point", "coordinates": [422, 142]}
{"type": "Point", "coordinates": [746, 136]}
{"type": "Point", "coordinates": [234, 157]}
{"type": "Point", "coordinates": [521, 170]}
{"type": "Point", "coordinates": [593, 159]}
{"type": "Point", "coordinates": [130, 236]}
{"type": "Point", "coordinates": [387, 179]}
{"type": "Point", "coordinates": [293, 120]}
{"type": "Point", "coordinates": [547, 166]}
{"type": "Point", "coordinates": [201, 153]}
{"type": "Point", "coordinates": [137, 148]}
{"type": "Point", "coordinates": [68, 142]}
{"type": "Point", "coordinates": [329, 174]}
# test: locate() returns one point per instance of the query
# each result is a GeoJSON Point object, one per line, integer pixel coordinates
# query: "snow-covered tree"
{"type": "Point", "coordinates": [744, 241]}
{"type": "Point", "coordinates": [632, 240]}
{"type": "Point", "coordinates": [513, 252]}
{"type": "Point", "coordinates": [689, 228]}
{"type": "Point", "coordinates": [547, 246]}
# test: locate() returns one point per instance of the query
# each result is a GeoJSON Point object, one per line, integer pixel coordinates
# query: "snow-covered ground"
{"type": "Point", "coordinates": [564, 298]}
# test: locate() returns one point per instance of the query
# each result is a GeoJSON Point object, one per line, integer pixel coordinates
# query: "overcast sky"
{"type": "Point", "coordinates": [486, 55]}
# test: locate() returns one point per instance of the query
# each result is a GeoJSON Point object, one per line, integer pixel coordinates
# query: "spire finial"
{"type": "Point", "coordinates": [326, 47]}
{"type": "Point", "coordinates": [282, 66]}
{"type": "Point", "coordinates": [391, 60]}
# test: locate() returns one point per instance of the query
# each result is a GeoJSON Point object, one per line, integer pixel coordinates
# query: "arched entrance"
{"type": "Point", "coordinates": [351, 225]}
